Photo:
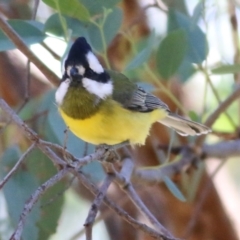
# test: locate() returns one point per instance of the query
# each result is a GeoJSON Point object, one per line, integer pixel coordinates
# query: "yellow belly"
{"type": "Point", "coordinates": [114, 126]}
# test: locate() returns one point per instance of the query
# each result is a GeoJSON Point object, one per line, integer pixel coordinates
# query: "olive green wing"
{"type": "Point", "coordinates": [133, 97]}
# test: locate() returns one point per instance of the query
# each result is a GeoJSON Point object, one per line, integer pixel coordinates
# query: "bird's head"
{"type": "Point", "coordinates": [83, 70]}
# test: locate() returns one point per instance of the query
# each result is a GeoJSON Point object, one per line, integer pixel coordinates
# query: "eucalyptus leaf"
{"type": "Point", "coordinates": [17, 190]}
{"type": "Point", "coordinates": [197, 13]}
{"type": "Point", "coordinates": [42, 167]}
{"type": "Point", "coordinates": [53, 25]}
{"type": "Point", "coordinates": [110, 28]}
{"type": "Point", "coordinates": [73, 8]}
{"type": "Point", "coordinates": [196, 39]}
{"type": "Point", "coordinates": [143, 55]}
{"type": "Point", "coordinates": [36, 24]}
{"type": "Point", "coordinates": [193, 116]}
{"type": "Point", "coordinates": [112, 24]}
{"type": "Point", "coordinates": [174, 189]}
{"type": "Point", "coordinates": [26, 30]}
{"type": "Point", "coordinates": [96, 7]}
{"type": "Point", "coordinates": [185, 70]}
{"type": "Point", "coordinates": [171, 53]}
{"type": "Point", "coordinates": [226, 69]}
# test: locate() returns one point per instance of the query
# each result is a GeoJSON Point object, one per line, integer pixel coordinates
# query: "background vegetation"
{"type": "Point", "coordinates": [187, 53]}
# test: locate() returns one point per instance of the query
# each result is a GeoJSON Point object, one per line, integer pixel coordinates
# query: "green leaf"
{"type": "Point", "coordinates": [17, 190]}
{"type": "Point", "coordinates": [96, 7]}
{"type": "Point", "coordinates": [171, 53]}
{"type": "Point", "coordinates": [54, 26]}
{"type": "Point", "coordinates": [226, 69]}
{"type": "Point", "coordinates": [146, 86]}
{"type": "Point", "coordinates": [193, 116]}
{"type": "Point", "coordinates": [112, 24]}
{"type": "Point", "coordinates": [72, 8]}
{"type": "Point", "coordinates": [174, 189]}
{"type": "Point", "coordinates": [41, 167]}
{"type": "Point", "coordinates": [196, 39]}
{"type": "Point", "coordinates": [110, 28]}
{"type": "Point", "coordinates": [25, 30]}
{"type": "Point", "coordinates": [197, 13]}
{"type": "Point", "coordinates": [185, 70]}
{"type": "Point", "coordinates": [143, 55]}
{"type": "Point", "coordinates": [36, 24]}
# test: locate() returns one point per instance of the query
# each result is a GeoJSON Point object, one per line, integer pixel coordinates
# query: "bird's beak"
{"type": "Point", "coordinates": [75, 75]}
{"type": "Point", "coordinates": [74, 72]}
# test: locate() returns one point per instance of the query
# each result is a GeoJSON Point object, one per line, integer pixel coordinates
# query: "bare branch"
{"type": "Point", "coordinates": [222, 150]}
{"type": "Point", "coordinates": [200, 201]}
{"type": "Point", "coordinates": [156, 174]}
{"type": "Point", "coordinates": [31, 135]}
{"type": "Point", "coordinates": [124, 215]}
{"type": "Point", "coordinates": [10, 32]}
{"type": "Point", "coordinates": [33, 199]}
{"type": "Point", "coordinates": [14, 169]}
{"type": "Point", "coordinates": [125, 174]}
{"type": "Point", "coordinates": [95, 206]}
{"type": "Point", "coordinates": [221, 108]}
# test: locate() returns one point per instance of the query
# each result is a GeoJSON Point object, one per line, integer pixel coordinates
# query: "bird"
{"type": "Point", "coordinates": [103, 106]}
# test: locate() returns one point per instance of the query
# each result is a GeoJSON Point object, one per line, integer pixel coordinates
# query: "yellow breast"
{"type": "Point", "coordinates": [113, 125]}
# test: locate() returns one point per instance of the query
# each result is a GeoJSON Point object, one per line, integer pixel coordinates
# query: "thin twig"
{"type": "Point", "coordinates": [200, 202]}
{"type": "Point", "coordinates": [143, 209]}
{"type": "Point", "coordinates": [11, 33]}
{"type": "Point", "coordinates": [59, 194]}
{"type": "Point", "coordinates": [156, 174]}
{"type": "Point", "coordinates": [95, 206]}
{"type": "Point", "coordinates": [31, 135]}
{"type": "Point", "coordinates": [220, 150]}
{"type": "Point", "coordinates": [221, 108]}
{"type": "Point", "coordinates": [125, 174]}
{"type": "Point", "coordinates": [28, 83]}
{"type": "Point", "coordinates": [85, 152]}
{"type": "Point", "coordinates": [14, 169]}
{"type": "Point", "coordinates": [235, 39]}
{"type": "Point", "coordinates": [33, 199]}
{"type": "Point", "coordinates": [124, 215]}
{"type": "Point", "coordinates": [216, 94]}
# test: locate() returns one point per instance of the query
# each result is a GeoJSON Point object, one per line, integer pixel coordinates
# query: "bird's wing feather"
{"type": "Point", "coordinates": [143, 101]}
{"type": "Point", "coordinates": [133, 97]}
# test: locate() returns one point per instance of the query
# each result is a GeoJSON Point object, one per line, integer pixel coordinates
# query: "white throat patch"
{"type": "Point", "coordinates": [61, 91]}
{"type": "Point", "coordinates": [102, 90]}
{"type": "Point", "coordinates": [94, 64]}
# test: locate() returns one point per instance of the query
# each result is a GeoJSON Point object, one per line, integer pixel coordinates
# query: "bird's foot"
{"type": "Point", "coordinates": [110, 151]}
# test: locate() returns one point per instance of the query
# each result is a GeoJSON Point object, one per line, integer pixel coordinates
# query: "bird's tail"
{"type": "Point", "coordinates": [183, 126]}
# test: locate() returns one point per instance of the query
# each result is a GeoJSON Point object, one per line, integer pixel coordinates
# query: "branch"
{"type": "Point", "coordinates": [123, 179]}
{"type": "Point", "coordinates": [31, 135]}
{"type": "Point", "coordinates": [222, 150]}
{"type": "Point", "coordinates": [221, 108]}
{"type": "Point", "coordinates": [124, 215]}
{"type": "Point", "coordinates": [14, 37]}
{"type": "Point", "coordinates": [95, 206]}
{"type": "Point", "coordinates": [14, 169]}
{"type": "Point", "coordinates": [33, 199]}
{"type": "Point", "coordinates": [156, 174]}
{"type": "Point", "coordinates": [200, 201]}
{"type": "Point", "coordinates": [47, 150]}
{"type": "Point", "coordinates": [45, 147]}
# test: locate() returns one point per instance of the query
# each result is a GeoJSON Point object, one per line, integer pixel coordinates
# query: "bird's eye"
{"type": "Point", "coordinates": [89, 73]}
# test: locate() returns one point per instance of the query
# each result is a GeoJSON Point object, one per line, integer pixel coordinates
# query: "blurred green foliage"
{"type": "Point", "coordinates": [174, 54]}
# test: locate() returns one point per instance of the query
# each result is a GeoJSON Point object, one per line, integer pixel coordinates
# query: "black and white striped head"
{"type": "Point", "coordinates": [83, 68]}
